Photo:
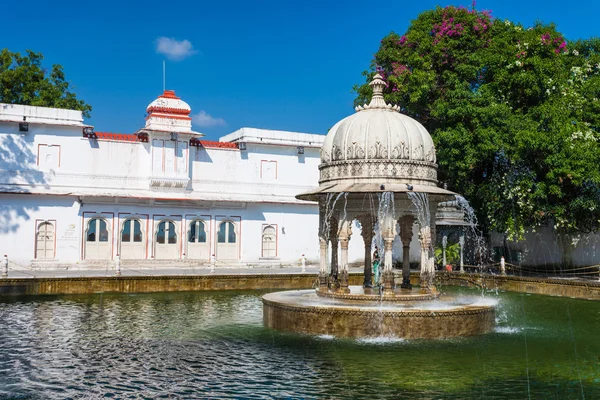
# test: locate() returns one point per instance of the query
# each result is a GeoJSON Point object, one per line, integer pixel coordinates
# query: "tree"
{"type": "Point", "coordinates": [23, 80]}
{"type": "Point", "coordinates": [514, 114]}
{"type": "Point", "coordinates": [452, 254]}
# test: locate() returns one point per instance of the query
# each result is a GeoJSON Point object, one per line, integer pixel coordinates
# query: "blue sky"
{"type": "Point", "coordinates": [286, 65]}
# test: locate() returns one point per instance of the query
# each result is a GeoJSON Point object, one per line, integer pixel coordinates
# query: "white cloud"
{"type": "Point", "coordinates": [175, 50]}
{"type": "Point", "coordinates": [205, 120]}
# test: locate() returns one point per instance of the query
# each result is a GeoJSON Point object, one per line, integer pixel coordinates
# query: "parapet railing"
{"type": "Point", "coordinates": [589, 272]}
{"type": "Point", "coordinates": [8, 265]}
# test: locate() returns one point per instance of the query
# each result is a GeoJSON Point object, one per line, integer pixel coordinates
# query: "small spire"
{"type": "Point", "coordinates": [377, 101]}
{"type": "Point", "coordinates": [378, 84]}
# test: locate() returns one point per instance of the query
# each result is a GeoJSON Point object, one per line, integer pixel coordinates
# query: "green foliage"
{"type": "Point", "coordinates": [452, 254]}
{"type": "Point", "coordinates": [514, 114]}
{"type": "Point", "coordinates": [23, 80]}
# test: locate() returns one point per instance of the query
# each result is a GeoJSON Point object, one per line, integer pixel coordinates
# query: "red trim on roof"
{"type": "Point", "coordinates": [218, 145]}
{"type": "Point", "coordinates": [168, 116]}
{"type": "Point", "coordinates": [167, 110]}
{"type": "Point", "coordinates": [117, 136]}
{"type": "Point", "coordinates": [169, 94]}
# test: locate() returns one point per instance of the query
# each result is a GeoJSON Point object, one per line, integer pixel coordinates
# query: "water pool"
{"type": "Point", "coordinates": [214, 345]}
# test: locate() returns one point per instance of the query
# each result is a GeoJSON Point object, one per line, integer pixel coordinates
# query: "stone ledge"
{"type": "Point", "coordinates": [580, 289]}
{"type": "Point", "coordinates": [256, 281]}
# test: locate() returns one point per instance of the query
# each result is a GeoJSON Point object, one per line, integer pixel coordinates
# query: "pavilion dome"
{"type": "Point", "coordinates": [168, 103]}
{"type": "Point", "coordinates": [168, 113]}
{"type": "Point", "coordinates": [378, 145]}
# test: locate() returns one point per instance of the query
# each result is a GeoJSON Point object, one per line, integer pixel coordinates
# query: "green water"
{"type": "Point", "coordinates": [213, 345]}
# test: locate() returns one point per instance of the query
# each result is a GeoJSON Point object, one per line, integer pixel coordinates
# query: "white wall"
{"type": "Point", "coordinates": [236, 174]}
{"type": "Point", "coordinates": [112, 179]}
{"type": "Point", "coordinates": [124, 168]}
{"type": "Point", "coordinates": [19, 217]}
{"type": "Point", "coordinates": [296, 225]}
{"type": "Point", "coordinates": [546, 247]}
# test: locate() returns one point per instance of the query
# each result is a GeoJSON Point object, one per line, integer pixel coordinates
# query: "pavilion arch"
{"type": "Point", "coordinates": [132, 245]}
{"type": "Point", "coordinates": [228, 239]}
{"type": "Point", "coordinates": [198, 240]}
{"type": "Point", "coordinates": [97, 239]}
{"type": "Point", "coordinates": [166, 240]}
{"type": "Point", "coordinates": [45, 241]}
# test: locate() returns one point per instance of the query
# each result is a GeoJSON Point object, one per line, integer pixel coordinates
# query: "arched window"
{"type": "Point", "coordinates": [97, 240]}
{"type": "Point", "coordinates": [269, 242]}
{"type": "Point", "coordinates": [132, 231]}
{"type": "Point", "coordinates": [197, 232]}
{"type": "Point", "coordinates": [166, 232]}
{"type": "Point", "coordinates": [131, 244]}
{"type": "Point", "coordinates": [227, 246]}
{"type": "Point", "coordinates": [44, 247]}
{"type": "Point", "coordinates": [226, 233]}
{"type": "Point", "coordinates": [97, 231]}
{"type": "Point", "coordinates": [198, 246]}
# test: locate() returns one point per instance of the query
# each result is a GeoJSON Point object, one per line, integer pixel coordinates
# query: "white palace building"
{"type": "Point", "coordinates": [71, 197]}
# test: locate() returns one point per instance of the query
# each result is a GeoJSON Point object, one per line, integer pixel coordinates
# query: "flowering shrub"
{"type": "Point", "coordinates": [513, 111]}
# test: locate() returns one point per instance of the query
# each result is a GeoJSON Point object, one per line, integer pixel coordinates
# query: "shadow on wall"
{"type": "Point", "coordinates": [552, 250]}
{"type": "Point", "coordinates": [18, 174]}
{"type": "Point", "coordinates": [201, 155]}
{"type": "Point", "coordinates": [581, 249]}
{"type": "Point", "coordinates": [12, 215]}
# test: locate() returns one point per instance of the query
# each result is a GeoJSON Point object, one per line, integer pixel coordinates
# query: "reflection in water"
{"type": "Point", "coordinates": [191, 345]}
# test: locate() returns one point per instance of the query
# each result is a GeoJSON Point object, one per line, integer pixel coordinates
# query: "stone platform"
{"type": "Point", "coordinates": [359, 293]}
{"type": "Point", "coordinates": [304, 311]}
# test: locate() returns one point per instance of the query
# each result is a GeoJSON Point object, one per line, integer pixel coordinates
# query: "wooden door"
{"type": "Point", "coordinates": [132, 241]}
{"type": "Point", "coordinates": [97, 240]}
{"type": "Point", "coordinates": [166, 242]}
{"type": "Point", "coordinates": [227, 241]}
{"type": "Point", "coordinates": [198, 245]}
{"type": "Point", "coordinates": [269, 242]}
{"type": "Point", "coordinates": [44, 248]}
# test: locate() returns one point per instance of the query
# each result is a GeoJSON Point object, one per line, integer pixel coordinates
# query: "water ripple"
{"type": "Point", "coordinates": [213, 345]}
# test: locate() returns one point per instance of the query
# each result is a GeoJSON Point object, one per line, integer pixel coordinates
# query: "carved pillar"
{"type": "Point", "coordinates": [344, 238]}
{"type": "Point", "coordinates": [444, 245]}
{"type": "Point", "coordinates": [461, 243]}
{"type": "Point", "coordinates": [433, 229]}
{"type": "Point", "coordinates": [387, 281]}
{"type": "Point", "coordinates": [406, 234]}
{"type": "Point", "coordinates": [433, 212]}
{"type": "Point", "coordinates": [427, 262]}
{"type": "Point", "coordinates": [333, 237]}
{"type": "Point", "coordinates": [323, 276]}
{"type": "Point", "coordinates": [366, 223]}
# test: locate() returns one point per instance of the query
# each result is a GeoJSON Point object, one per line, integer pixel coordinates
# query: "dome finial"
{"type": "Point", "coordinates": [378, 84]}
{"type": "Point", "coordinates": [377, 101]}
